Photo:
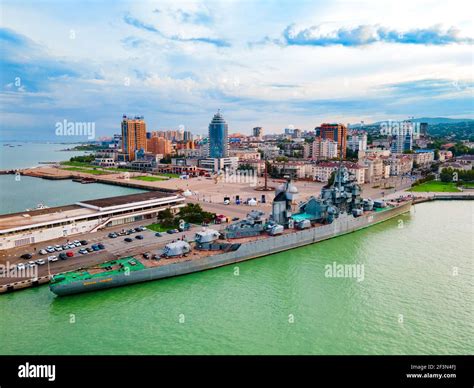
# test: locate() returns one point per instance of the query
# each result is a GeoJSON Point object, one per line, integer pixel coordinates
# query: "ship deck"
{"type": "Point", "coordinates": [117, 266]}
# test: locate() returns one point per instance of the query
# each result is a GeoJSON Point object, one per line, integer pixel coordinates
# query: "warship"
{"type": "Point", "coordinates": [338, 210]}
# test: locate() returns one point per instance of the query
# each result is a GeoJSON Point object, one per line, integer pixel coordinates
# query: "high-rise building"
{"type": "Point", "coordinates": [423, 129]}
{"type": "Point", "coordinates": [187, 136]}
{"type": "Point", "coordinates": [133, 136]}
{"type": "Point", "coordinates": [257, 132]}
{"type": "Point", "coordinates": [357, 140]}
{"type": "Point", "coordinates": [218, 137]}
{"type": "Point", "coordinates": [402, 138]}
{"type": "Point", "coordinates": [336, 132]}
{"type": "Point", "coordinates": [323, 149]}
{"type": "Point", "coordinates": [158, 145]}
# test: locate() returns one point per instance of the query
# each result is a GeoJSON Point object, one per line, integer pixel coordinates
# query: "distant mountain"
{"type": "Point", "coordinates": [440, 120]}
{"type": "Point", "coordinates": [429, 120]}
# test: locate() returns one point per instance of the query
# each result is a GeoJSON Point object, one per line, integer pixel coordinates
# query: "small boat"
{"type": "Point", "coordinates": [40, 206]}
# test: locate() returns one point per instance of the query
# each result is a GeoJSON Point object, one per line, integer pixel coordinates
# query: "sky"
{"type": "Point", "coordinates": [262, 63]}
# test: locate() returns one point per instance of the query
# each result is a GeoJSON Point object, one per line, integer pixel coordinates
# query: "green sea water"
{"type": "Point", "coordinates": [416, 297]}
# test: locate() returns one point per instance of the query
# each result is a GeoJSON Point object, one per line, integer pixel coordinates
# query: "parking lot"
{"type": "Point", "coordinates": [113, 248]}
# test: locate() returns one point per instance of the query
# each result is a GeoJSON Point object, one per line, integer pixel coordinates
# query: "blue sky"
{"type": "Point", "coordinates": [263, 63]}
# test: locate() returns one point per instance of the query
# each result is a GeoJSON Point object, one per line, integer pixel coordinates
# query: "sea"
{"type": "Point", "coordinates": [410, 291]}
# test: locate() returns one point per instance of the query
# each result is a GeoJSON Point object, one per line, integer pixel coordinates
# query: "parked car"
{"type": "Point", "coordinates": [158, 234]}
{"type": "Point", "coordinates": [84, 242]}
{"type": "Point", "coordinates": [139, 237]}
{"type": "Point", "coordinates": [65, 246]}
{"type": "Point", "coordinates": [101, 246]}
{"type": "Point", "coordinates": [235, 219]}
{"type": "Point", "coordinates": [77, 244]}
{"type": "Point", "coordinates": [26, 256]}
{"type": "Point", "coordinates": [113, 235]}
{"type": "Point", "coordinates": [89, 249]}
{"type": "Point", "coordinates": [52, 258]}
{"type": "Point", "coordinates": [50, 249]}
{"type": "Point", "coordinates": [170, 231]}
{"type": "Point", "coordinates": [138, 229]}
{"type": "Point", "coordinates": [71, 246]}
{"type": "Point", "coordinates": [20, 266]}
{"type": "Point", "coordinates": [95, 247]}
{"type": "Point", "coordinates": [147, 256]}
{"type": "Point", "coordinates": [130, 231]}
{"type": "Point", "coordinates": [43, 252]}
{"type": "Point", "coordinates": [40, 262]}
{"type": "Point", "coordinates": [83, 251]}
{"type": "Point", "coordinates": [69, 253]}
{"type": "Point", "coordinates": [63, 256]}
{"type": "Point", "coordinates": [128, 239]}
{"type": "Point", "coordinates": [31, 263]}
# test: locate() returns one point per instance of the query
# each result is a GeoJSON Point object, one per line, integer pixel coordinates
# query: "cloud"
{"type": "Point", "coordinates": [198, 17]}
{"type": "Point", "coordinates": [369, 34]}
{"type": "Point", "coordinates": [176, 38]}
{"type": "Point", "coordinates": [139, 24]}
{"type": "Point", "coordinates": [428, 87]}
{"type": "Point", "coordinates": [26, 67]}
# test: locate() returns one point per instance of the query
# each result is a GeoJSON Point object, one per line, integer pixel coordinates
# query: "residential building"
{"type": "Point", "coordinates": [257, 132]}
{"type": "Point", "coordinates": [357, 140]}
{"type": "Point", "coordinates": [423, 158]}
{"type": "Point", "coordinates": [322, 171]}
{"type": "Point", "coordinates": [133, 136]}
{"type": "Point", "coordinates": [324, 149]}
{"type": "Point", "coordinates": [335, 132]}
{"type": "Point", "coordinates": [402, 138]}
{"type": "Point", "coordinates": [159, 145]}
{"type": "Point", "coordinates": [400, 164]}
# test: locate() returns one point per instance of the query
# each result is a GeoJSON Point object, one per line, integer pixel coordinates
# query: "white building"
{"type": "Point", "coordinates": [357, 140]}
{"type": "Point", "coordinates": [400, 164]}
{"type": "Point", "coordinates": [324, 149]}
{"type": "Point", "coordinates": [219, 164]}
{"type": "Point", "coordinates": [321, 172]}
{"type": "Point", "coordinates": [84, 217]}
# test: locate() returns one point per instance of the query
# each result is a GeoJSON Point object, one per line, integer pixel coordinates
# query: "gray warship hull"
{"type": "Point", "coordinates": [246, 251]}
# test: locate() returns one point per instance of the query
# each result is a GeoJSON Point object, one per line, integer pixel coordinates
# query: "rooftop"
{"type": "Point", "coordinates": [84, 208]}
{"type": "Point", "coordinates": [125, 199]}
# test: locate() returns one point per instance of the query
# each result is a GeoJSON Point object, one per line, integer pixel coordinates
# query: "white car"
{"type": "Point", "coordinates": [43, 252]}
{"type": "Point", "coordinates": [20, 266]}
{"type": "Point", "coordinates": [77, 244]}
{"type": "Point", "coordinates": [71, 246]}
{"type": "Point", "coordinates": [52, 258]}
{"type": "Point", "coordinates": [40, 262]}
{"type": "Point", "coordinates": [58, 248]}
{"type": "Point", "coordinates": [50, 249]}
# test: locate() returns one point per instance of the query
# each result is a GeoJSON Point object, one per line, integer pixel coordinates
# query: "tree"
{"type": "Point", "coordinates": [446, 175]}
{"type": "Point", "coordinates": [245, 166]}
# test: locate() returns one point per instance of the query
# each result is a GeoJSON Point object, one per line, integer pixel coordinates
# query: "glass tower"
{"type": "Point", "coordinates": [218, 137]}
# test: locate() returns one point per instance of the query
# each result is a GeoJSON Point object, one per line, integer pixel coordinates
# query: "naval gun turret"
{"type": "Point", "coordinates": [281, 208]}
{"type": "Point", "coordinates": [252, 225]}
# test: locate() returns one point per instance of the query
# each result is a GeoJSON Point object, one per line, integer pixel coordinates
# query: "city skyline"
{"type": "Point", "coordinates": [177, 63]}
